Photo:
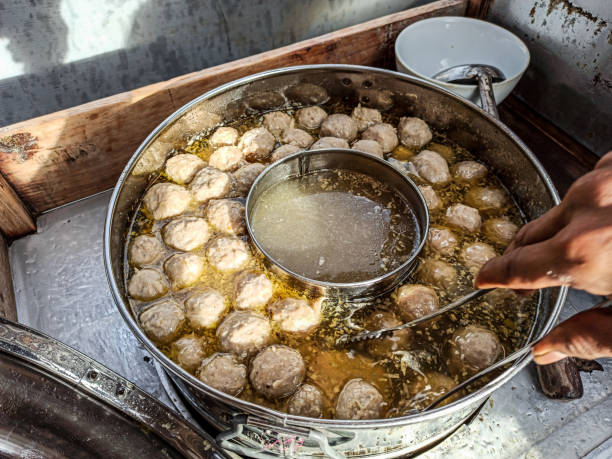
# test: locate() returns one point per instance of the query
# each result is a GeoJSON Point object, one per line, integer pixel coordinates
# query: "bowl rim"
{"type": "Point", "coordinates": [443, 84]}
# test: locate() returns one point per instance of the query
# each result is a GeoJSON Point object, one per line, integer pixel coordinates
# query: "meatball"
{"type": "Point", "coordinates": [257, 144]}
{"type": "Point", "coordinates": [224, 372]}
{"type": "Point", "coordinates": [463, 217]}
{"type": "Point", "coordinates": [224, 136]}
{"type": "Point", "coordinates": [147, 284]}
{"type": "Point", "coordinates": [438, 273]}
{"type": "Point", "coordinates": [383, 347]}
{"type": "Point", "coordinates": [442, 240]}
{"type": "Point", "coordinates": [473, 348]}
{"type": "Point", "coordinates": [209, 183]}
{"type": "Point", "coordinates": [186, 233]}
{"type": "Point", "coordinates": [432, 167]}
{"type": "Point", "coordinates": [297, 137]}
{"type": "Point", "coordinates": [339, 125]}
{"type": "Point", "coordinates": [277, 371]}
{"type": "Point", "coordinates": [165, 200]}
{"type": "Point", "coordinates": [226, 215]}
{"type": "Point", "coordinates": [415, 301]}
{"type": "Point", "coordinates": [227, 253]}
{"type": "Point", "coordinates": [226, 158]}
{"type": "Point", "coordinates": [295, 315]}
{"type": "Point", "coordinates": [307, 94]}
{"type": "Point", "coordinates": [243, 332]}
{"type": "Point", "coordinates": [145, 250]}
{"type": "Point", "coordinates": [368, 146]}
{"type": "Point", "coordinates": [469, 171]}
{"type": "Point", "coordinates": [329, 142]}
{"type": "Point", "coordinates": [427, 388]}
{"type": "Point", "coordinates": [181, 168]}
{"type": "Point", "coordinates": [365, 117]}
{"type": "Point", "coordinates": [188, 351]}
{"type": "Point", "coordinates": [277, 122]}
{"type": "Point", "coordinates": [184, 269]}
{"type": "Point", "coordinates": [382, 133]}
{"type": "Point", "coordinates": [282, 151]}
{"type": "Point", "coordinates": [359, 400]}
{"type": "Point", "coordinates": [486, 198]}
{"type": "Point", "coordinates": [245, 176]}
{"type": "Point", "coordinates": [310, 117]}
{"type": "Point", "coordinates": [162, 321]}
{"type": "Point", "coordinates": [413, 132]}
{"type": "Point", "coordinates": [431, 197]}
{"type": "Point", "coordinates": [475, 255]}
{"type": "Point", "coordinates": [205, 308]}
{"type": "Point", "coordinates": [500, 230]}
{"type": "Point", "coordinates": [307, 401]}
{"type": "Point", "coordinates": [252, 290]}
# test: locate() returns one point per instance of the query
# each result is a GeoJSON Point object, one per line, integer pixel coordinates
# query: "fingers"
{"type": "Point", "coordinates": [540, 229]}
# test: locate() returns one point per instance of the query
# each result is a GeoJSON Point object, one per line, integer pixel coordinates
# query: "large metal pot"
{"type": "Point", "coordinates": [258, 431]}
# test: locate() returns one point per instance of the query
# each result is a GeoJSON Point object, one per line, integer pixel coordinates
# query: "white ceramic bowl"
{"type": "Point", "coordinates": [429, 46]}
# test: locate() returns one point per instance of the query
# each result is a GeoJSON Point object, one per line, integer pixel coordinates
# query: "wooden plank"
{"type": "Point", "coordinates": [478, 8]}
{"type": "Point", "coordinates": [15, 219]}
{"type": "Point", "coordinates": [8, 307]}
{"type": "Point", "coordinates": [64, 156]}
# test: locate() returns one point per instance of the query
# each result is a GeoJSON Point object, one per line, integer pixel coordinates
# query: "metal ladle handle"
{"type": "Point", "coordinates": [485, 89]}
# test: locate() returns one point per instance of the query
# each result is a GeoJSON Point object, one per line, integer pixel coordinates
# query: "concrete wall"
{"type": "Point", "coordinates": [59, 53]}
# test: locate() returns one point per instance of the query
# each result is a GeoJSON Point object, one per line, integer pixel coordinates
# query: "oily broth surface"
{"type": "Point", "coordinates": [329, 366]}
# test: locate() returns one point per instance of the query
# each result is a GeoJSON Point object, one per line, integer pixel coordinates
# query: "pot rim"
{"type": "Point", "coordinates": [285, 418]}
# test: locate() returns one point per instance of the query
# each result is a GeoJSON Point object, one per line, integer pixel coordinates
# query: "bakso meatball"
{"type": "Point", "coordinates": [486, 198]}
{"type": "Point", "coordinates": [383, 347]}
{"type": "Point", "coordinates": [277, 122]}
{"type": "Point", "coordinates": [224, 136]}
{"type": "Point", "coordinates": [365, 117]}
{"type": "Point", "coordinates": [439, 273]}
{"type": "Point", "coordinates": [473, 348]}
{"type": "Point", "coordinates": [329, 142]}
{"type": "Point", "coordinates": [145, 250]}
{"type": "Point", "coordinates": [184, 269]}
{"type": "Point", "coordinates": [205, 308]}
{"type": "Point", "coordinates": [475, 255]}
{"type": "Point", "coordinates": [382, 133]}
{"type": "Point", "coordinates": [469, 171]}
{"type": "Point", "coordinates": [307, 94]}
{"type": "Point", "coordinates": [359, 400]}
{"type": "Point", "coordinates": [415, 301]}
{"type": "Point", "coordinates": [413, 132]}
{"type": "Point", "coordinates": [245, 176]}
{"type": "Point", "coordinates": [227, 253]}
{"type": "Point", "coordinates": [277, 371]}
{"type": "Point", "coordinates": [295, 315]}
{"type": "Point", "coordinates": [243, 332]}
{"type": "Point", "coordinates": [307, 401]}
{"type": "Point", "coordinates": [224, 372]}
{"type": "Point", "coordinates": [210, 183]}
{"type": "Point", "coordinates": [500, 230]}
{"type": "Point", "coordinates": [226, 215]}
{"type": "Point", "coordinates": [162, 321]}
{"type": "Point", "coordinates": [226, 158]}
{"type": "Point", "coordinates": [339, 125]}
{"type": "Point", "coordinates": [165, 200]}
{"type": "Point", "coordinates": [443, 241]}
{"type": "Point", "coordinates": [188, 351]}
{"type": "Point", "coordinates": [368, 146]}
{"type": "Point", "coordinates": [310, 117]}
{"type": "Point", "coordinates": [186, 233]}
{"type": "Point", "coordinates": [463, 217]}
{"type": "Point", "coordinates": [425, 389]}
{"type": "Point", "coordinates": [147, 284]}
{"type": "Point", "coordinates": [432, 167]}
{"type": "Point", "coordinates": [431, 197]}
{"type": "Point", "coordinates": [297, 137]}
{"type": "Point", "coordinates": [257, 144]}
{"type": "Point", "coordinates": [181, 168]}
{"type": "Point", "coordinates": [252, 290]}
{"type": "Point", "coordinates": [284, 150]}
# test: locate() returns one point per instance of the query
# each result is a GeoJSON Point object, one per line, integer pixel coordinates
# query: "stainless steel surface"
{"type": "Point", "coordinates": [465, 123]}
{"type": "Point", "coordinates": [518, 422]}
{"type": "Point", "coordinates": [356, 161]}
{"type": "Point", "coordinates": [376, 334]}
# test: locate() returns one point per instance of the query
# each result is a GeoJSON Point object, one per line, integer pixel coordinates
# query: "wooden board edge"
{"type": "Point", "coordinates": [8, 306]}
{"type": "Point", "coordinates": [15, 218]}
